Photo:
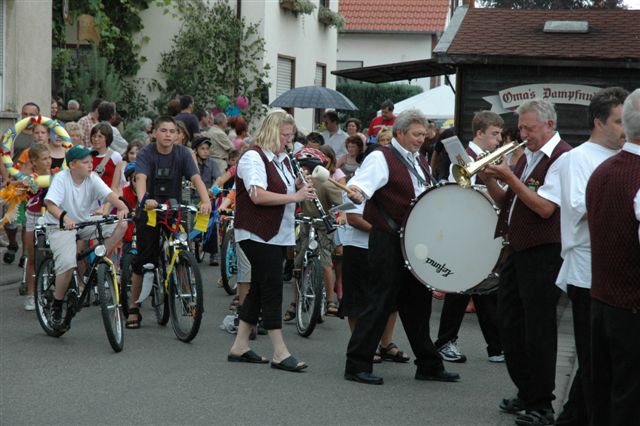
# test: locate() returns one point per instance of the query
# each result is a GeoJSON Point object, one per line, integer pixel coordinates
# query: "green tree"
{"type": "Point", "coordinates": [215, 53]}
{"type": "Point", "coordinates": [553, 4]}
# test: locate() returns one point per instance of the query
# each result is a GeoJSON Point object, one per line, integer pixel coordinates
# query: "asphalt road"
{"type": "Point", "coordinates": [156, 379]}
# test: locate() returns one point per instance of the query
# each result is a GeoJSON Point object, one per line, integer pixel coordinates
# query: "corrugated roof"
{"type": "Point", "coordinates": [613, 34]}
{"type": "Point", "coordinates": [424, 16]}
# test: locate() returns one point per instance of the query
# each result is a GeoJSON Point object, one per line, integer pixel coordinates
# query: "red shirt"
{"type": "Point", "coordinates": [378, 122]}
{"type": "Point", "coordinates": [109, 169]}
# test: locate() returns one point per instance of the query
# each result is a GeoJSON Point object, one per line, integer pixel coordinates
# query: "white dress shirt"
{"type": "Point", "coordinates": [533, 158]}
{"type": "Point", "coordinates": [565, 186]}
{"type": "Point", "coordinates": [336, 141]}
{"type": "Point", "coordinates": [373, 174]}
{"type": "Point", "coordinates": [353, 236]}
{"type": "Point", "coordinates": [634, 149]}
{"type": "Point", "coordinates": [251, 169]}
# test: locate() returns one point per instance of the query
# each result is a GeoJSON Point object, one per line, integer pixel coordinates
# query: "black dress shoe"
{"type": "Point", "coordinates": [512, 405]}
{"type": "Point", "coordinates": [364, 377]}
{"type": "Point", "coordinates": [442, 376]}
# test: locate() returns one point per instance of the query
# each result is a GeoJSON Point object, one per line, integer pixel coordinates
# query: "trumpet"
{"type": "Point", "coordinates": [326, 219]}
{"type": "Point", "coordinates": [463, 173]}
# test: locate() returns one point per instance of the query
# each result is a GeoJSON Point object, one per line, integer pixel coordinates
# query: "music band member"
{"type": "Point", "coordinates": [264, 227]}
{"type": "Point", "coordinates": [565, 186]}
{"type": "Point", "coordinates": [527, 295]}
{"type": "Point", "coordinates": [613, 212]}
{"type": "Point", "coordinates": [389, 179]}
{"type": "Point", "coordinates": [487, 130]}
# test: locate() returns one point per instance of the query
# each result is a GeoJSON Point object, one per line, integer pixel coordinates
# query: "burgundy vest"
{"type": "Point", "coordinates": [395, 197]}
{"type": "Point", "coordinates": [615, 249]}
{"type": "Point", "coordinates": [527, 229]}
{"type": "Point", "coordinates": [264, 221]}
{"type": "Point", "coordinates": [474, 156]}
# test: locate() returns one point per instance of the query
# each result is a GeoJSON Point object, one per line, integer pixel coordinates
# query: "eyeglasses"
{"type": "Point", "coordinates": [287, 136]}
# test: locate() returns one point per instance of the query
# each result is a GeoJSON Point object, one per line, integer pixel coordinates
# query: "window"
{"type": "Point", "coordinates": [324, 3]}
{"type": "Point", "coordinates": [286, 76]}
{"type": "Point", "coordinates": [320, 79]}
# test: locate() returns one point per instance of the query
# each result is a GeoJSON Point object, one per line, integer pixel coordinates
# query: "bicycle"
{"type": "Point", "coordinates": [39, 236]}
{"type": "Point", "coordinates": [228, 256]}
{"type": "Point", "coordinates": [310, 284]}
{"type": "Point", "coordinates": [177, 282]}
{"type": "Point", "coordinates": [102, 275]}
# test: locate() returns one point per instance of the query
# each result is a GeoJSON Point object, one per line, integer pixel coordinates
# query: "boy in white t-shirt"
{"type": "Point", "coordinates": [69, 200]}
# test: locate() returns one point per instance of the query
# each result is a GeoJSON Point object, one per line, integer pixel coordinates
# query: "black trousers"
{"type": "Point", "coordinates": [452, 314]}
{"type": "Point", "coordinates": [147, 244]}
{"type": "Point", "coordinates": [615, 352]}
{"type": "Point", "coordinates": [391, 285]}
{"type": "Point", "coordinates": [527, 299]}
{"type": "Point", "coordinates": [577, 409]}
{"type": "Point", "coordinates": [265, 293]}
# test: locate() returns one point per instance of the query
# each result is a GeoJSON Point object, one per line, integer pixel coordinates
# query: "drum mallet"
{"type": "Point", "coordinates": [322, 175]}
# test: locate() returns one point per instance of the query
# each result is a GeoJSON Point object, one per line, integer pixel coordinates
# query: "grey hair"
{"type": "Point", "coordinates": [631, 116]}
{"type": "Point", "coordinates": [406, 118]}
{"type": "Point", "coordinates": [219, 118]}
{"type": "Point", "coordinates": [73, 104]}
{"type": "Point", "coordinates": [545, 110]}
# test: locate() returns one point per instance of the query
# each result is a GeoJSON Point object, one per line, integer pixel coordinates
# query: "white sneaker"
{"type": "Point", "coordinates": [450, 352]}
{"type": "Point", "coordinates": [29, 303]}
{"type": "Point", "coordinates": [496, 358]}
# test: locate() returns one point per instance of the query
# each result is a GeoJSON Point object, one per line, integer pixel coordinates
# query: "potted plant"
{"type": "Point", "coordinates": [298, 6]}
{"type": "Point", "coordinates": [330, 18]}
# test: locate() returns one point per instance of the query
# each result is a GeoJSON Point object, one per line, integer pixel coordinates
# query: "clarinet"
{"type": "Point", "coordinates": [298, 169]}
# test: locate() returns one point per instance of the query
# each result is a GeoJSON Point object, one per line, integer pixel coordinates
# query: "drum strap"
{"type": "Point", "coordinates": [412, 168]}
{"type": "Point", "coordinates": [392, 223]}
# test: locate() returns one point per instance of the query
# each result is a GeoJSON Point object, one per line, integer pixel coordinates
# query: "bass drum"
{"type": "Point", "coordinates": [447, 240]}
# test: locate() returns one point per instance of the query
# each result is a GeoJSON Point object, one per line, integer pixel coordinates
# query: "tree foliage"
{"type": "Point", "coordinates": [553, 4]}
{"type": "Point", "coordinates": [369, 96]}
{"type": "Point", "coordinates": [215, 53]}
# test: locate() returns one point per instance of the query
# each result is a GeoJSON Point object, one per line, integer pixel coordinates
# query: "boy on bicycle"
{"type": "Point", "coordinates": [160, 167]}
{"type": "Point", "coordinates": [69, 200]}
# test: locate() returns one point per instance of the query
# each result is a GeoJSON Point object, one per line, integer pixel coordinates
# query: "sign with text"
{"type": "Point", "coordinates": [509, 99]}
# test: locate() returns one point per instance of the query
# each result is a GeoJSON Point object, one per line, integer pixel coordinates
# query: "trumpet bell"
{"type": "Point", "coordinates": [461, 176]}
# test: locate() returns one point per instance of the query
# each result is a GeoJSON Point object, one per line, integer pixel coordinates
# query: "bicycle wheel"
{"type": "Point", "coordinates": [185, 297]}
{"type": "Point", "coordinates": [112, 316]}
{"type": "Point", "coordinates": [309, 298]}
{"type": "Point", "coordinates": [229, 263]}
{"type": "Point", "coordinates": [198, 249]}
{"type": "Point", "coordinates": [158, 294]}
{"type": "Point", "coordinates": [45, 288]}
{"type": "Point", "coordinates": [126, 271]}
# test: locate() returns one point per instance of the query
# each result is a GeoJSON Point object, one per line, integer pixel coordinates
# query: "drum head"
{"type": "Point", "coordinates": [448, 238]}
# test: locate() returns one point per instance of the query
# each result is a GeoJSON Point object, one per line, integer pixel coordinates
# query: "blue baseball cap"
{"type": "Point", "coordinates": [77, 153]}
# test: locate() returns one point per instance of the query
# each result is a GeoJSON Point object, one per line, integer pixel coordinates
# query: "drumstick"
{"type": "Point", "coordinates": [321, 174]}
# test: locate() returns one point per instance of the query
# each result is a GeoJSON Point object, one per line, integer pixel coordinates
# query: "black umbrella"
{"type": "Point", "coordinates": [313, 97]}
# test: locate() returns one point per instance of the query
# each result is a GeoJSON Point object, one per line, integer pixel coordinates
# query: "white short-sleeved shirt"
{"type": "Point", "coordinates": [76, 200]}
{"type": "Point", "coordinates": [336, 141]}
{"type": "Point", "coordinates": [565, 186]}
{"type": "Point", "coordinates": [352, 236]}
{"type": "Point", "coordinates": [373, 174]}
{"type": "Point", "coordinates": [253, 173]}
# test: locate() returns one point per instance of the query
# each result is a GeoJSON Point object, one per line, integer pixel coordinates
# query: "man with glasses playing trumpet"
{"type": "Point", "coordinates": [527, 295]}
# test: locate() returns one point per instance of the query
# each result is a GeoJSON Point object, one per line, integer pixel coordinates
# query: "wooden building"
{"type": "Point", "coordinates": [503, 57]}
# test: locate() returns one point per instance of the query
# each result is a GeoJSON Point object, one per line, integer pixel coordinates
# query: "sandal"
{"type": "Point", "coordinates": [133, 323]}
{"type": "Point", "coordinates": [332, 309]}
{"type": "Point", "coordinates": [289, 364]}
{"type": "Point", "coordinates": [10, 254]}
{"type": "Point", "coordinates": [290, 313]}
{"type": "Point", "coordinates": [388, 355]}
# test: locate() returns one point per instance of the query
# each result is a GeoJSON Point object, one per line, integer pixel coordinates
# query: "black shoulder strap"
{"type": "Point", "coordinates": [411, 167]}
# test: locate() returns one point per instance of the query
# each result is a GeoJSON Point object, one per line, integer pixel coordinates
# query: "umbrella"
{"type": "Point", "coordinates": [313, 97]}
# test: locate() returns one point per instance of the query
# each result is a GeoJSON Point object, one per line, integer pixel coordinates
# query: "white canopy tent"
{"type": "Point", "coordinates": [438, 103]}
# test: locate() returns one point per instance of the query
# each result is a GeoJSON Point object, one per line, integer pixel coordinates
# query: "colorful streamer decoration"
{"type": "Point", "coordinates": [14, 196]}
{"type": "Point", "coordinates": [9, 137]}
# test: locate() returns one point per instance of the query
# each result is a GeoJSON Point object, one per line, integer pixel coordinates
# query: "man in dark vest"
{"type": "Point", "coordinates": [613, 212]}
{"type": "Point", "coordinates": [487, 134]}
{"type": "Point", "coordinates": [390, 178]}
{"type": "Point", "coordinates": [527, 295]}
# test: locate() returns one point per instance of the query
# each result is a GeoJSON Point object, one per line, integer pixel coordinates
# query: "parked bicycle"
{"type": "Point", "coordinates": [102, 275]}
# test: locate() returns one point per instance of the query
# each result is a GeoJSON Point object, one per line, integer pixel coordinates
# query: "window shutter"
{"type": "Point", "coordinates": [284, 77]}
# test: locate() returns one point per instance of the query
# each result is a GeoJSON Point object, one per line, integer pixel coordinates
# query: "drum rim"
{"type": "Point", "coordinates": [404, 225]}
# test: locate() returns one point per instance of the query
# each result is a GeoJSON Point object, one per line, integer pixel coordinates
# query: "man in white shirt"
{"type": "Point", "coordinates": [390, 178]}
{"type": "Point", "coordinates": [334, 136]}
{"type": "Point", "coordinates": [566, 186]}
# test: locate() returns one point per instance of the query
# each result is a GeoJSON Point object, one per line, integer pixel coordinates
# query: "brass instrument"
{"type": "Point", "coordinates": [462, 174]}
